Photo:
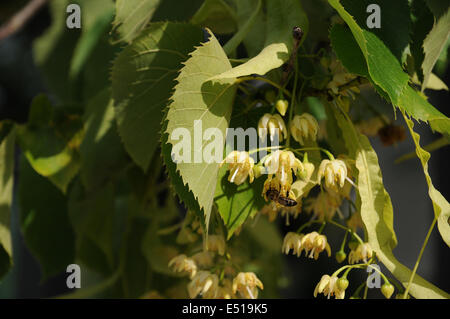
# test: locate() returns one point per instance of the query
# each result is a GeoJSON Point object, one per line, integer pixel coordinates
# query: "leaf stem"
{"type": "Point", "coordinates": [263, 79]}
{"type": "Point", "coordinates": [416, 266]}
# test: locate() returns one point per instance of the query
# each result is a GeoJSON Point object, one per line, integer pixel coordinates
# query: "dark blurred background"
{"type": "Point", "coordinates": [20, 81]}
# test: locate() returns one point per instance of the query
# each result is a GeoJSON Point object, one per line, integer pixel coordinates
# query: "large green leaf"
{"type": "Point", "coordinates": [198, 99]}
{"type": "Point", "coordinates": [377, 212]}
{"type": "Point", "coordinates": [395, 22]}
{"type": "Point", "coordinates": [131, 17]}
{"type": "Point", "coordinates": [92, 215]}
{"type": "Point", "coordinates": [408, 100]}
{"type": "Point", "coordinates": [282, 17]}
{"type": "Point", "coordinates": [50, 142]}
{"type": "Point", "coordinates": [142, 80]}
{"type": "Point", "coordinates": [384, 69]}
{"type": "Point", "coordinates": [433, 45]}
{"type": "Point", "coordinates": [441, 206]}
{"type": "Point", "coordinates": [422, 23]}
{"type": "Point", "coordinates": [102, 152]}
{"type": "Point", "coordinates": [237, 203]}
{"type": "Point", "coordinates": [6, 194]}
{"type": "Point", "coordinates": [44, 221]}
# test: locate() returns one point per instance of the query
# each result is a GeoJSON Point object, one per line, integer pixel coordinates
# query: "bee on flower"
{"type": "Point", "coordinates": [240, 165]}
{"type": "Point", "coordinates": [331, 286]}
{"type": "Point", "coordinates": [247, 284]}
{"type": "Point", "coordinates": [216, 243]}
{"type": "Point", "coordinates": [304, 127]}
{"type": "Point", "coordinates": [182, 263]}
{"type": "Point", "coordinates": [281, 165]}
{"type": "Point", "coordinates": [363, 252]}
{"type": "Point", "coordinates": [274, 125]}
{"type": "Point", "coordinates": [205, 284]}
{"type": "Point", "coordinates": [334, 172]}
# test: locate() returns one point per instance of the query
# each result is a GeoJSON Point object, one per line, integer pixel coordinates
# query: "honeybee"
{"type": "Point", "coordinates": [272, 194]}
{"type": "Point", "coordinates": [286, 201]}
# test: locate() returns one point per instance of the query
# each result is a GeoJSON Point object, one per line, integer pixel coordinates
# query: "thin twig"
{"type": "Point", "coordinates": [20, 19]}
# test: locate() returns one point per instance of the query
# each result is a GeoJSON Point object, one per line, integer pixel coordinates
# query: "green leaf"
{"type": "Point", "coordinates": [197, 98]}
{"type": "Point", "coordinates": [89, 39]}
{"type": "Point", "coordinates": [433, 146]}
{"type": "Point", "coordinates": [53, 51]}
{"type": "Point", "coordinates": [395, 22]}
{"type": "Point", "coordinates": [440, 205]}
{"type": "Point", "coordinates": [51, 149]}
{"type": "Point", "coordinates": [433, 45]}
{"type": "Point", "coordinates": [282, 16]}
{"type": "Point", "coordinates": [244, 29]}
{"type": "Point", "coordinates": [377, 212]}
{"type": "Point", "coordinates": [422, 24]}
{"type": "Point", "coordinates": [131, 17]}
{"type": "Point", "coordinates": [408, 99]}
{"type": "Point", "coordinates": [143, 76]}
{"type": "Point", "coordinates": [216, 15]}
{"type": "Point", "coordinates": [102, 152]}
{"type": "Point", "coordinates": [5, 128]}
{"type": "Point", "coordinates": [256, 35]}
{"type": "Point", "coordinates": [92, 215]}
{"type": "Point", "coordinates": [45, 223]}
{"type": "Point", "coordinates": [237, 203]}
{"type": "Point", "coordinates": [6, 195]}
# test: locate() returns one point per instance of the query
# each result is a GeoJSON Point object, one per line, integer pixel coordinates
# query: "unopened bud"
{"type": "Point", "coordinates": [282, 106]}
{"type": "Point", "coordinates": [340, 256]}
{"type": "Point", "coordinates": [387, 290]}
{"type": "Point", "coordinates": [342, 283]}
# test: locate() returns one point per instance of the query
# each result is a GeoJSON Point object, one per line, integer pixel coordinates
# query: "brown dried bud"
{"type": "Point", "coordinates": [297, 33]}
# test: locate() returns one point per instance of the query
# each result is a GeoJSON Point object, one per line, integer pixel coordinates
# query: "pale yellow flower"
{"type": "Point", "coordinates": [270, 210]}
{"type": "Point", "coordinates": [292, 241]}
{"type": "Point", "coordinates": [182, 263]}
{"type": "Point", "coordinates": [247, 284]}
{"type": "Point", "coordinates": [204, 259]}
{"type": "Point", "coordinates": [226, 290]}
{"type": "Point", "coordinates": [363, 252]}
{"type": "Point", "coordinates": [334, 172]}
{"type": "Point", "coordinates": [216, 243]}
{"type": "Point", "coordinates": [329, 287]}
{"type": "Point", "coordinates": [274, 125]}
{"type": "Point", "coordinates": [314, 243]}
{"type": "Point", "coordinates": [324, 206]}
{"type": "Point", "coordinates": [205, 284]}
{"type": "Point", "coordinates": [240, 165]}
{"type": "Point", "coordinates": [304, 127]}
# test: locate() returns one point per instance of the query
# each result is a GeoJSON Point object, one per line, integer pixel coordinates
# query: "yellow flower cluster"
{"type": "Point", "coordinates": [312, 243]}
{"type": "Point", "coordinates": [240, 165]}
{"type": "Point", "coordinates": [331, 286]}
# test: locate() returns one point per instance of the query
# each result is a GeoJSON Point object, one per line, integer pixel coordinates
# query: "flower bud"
{"type": "Point", "coordinates": [340, 256]}
{"type": "Point", "coordinates": [282, 106]}
{"type": "Point", "coordinates": [307, 171]}
{"type": "Point", "coordinates": [342, 283]}
{"type": "Point", "coordinates": [387, 290]}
